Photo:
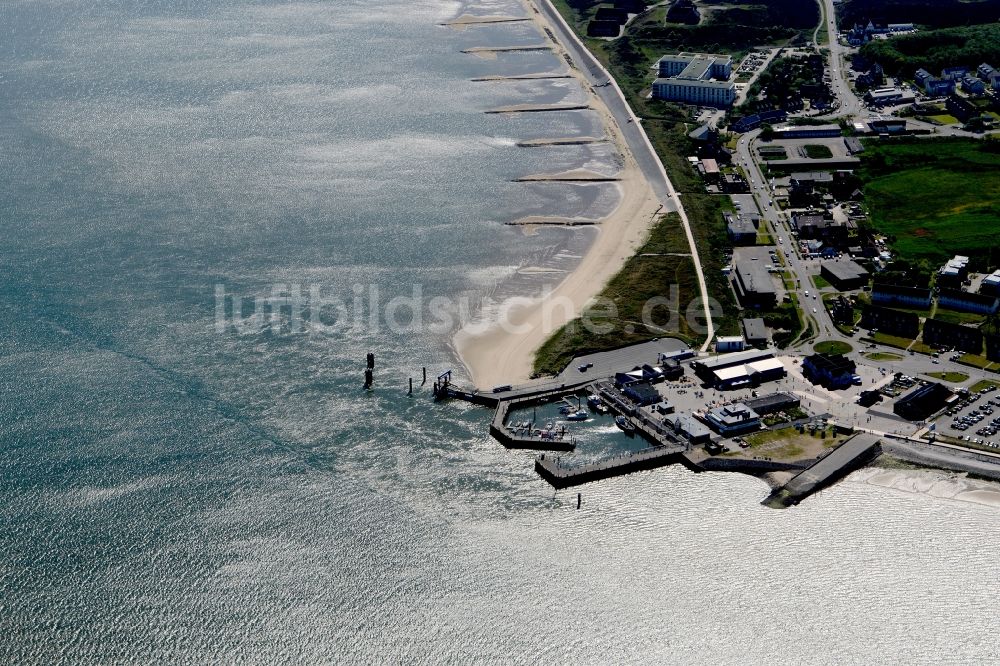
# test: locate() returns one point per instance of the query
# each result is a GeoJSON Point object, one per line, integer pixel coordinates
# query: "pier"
{"type": "Point", "coordinates": [573, 176]}
{"type": "Point", "coordinates": [565, 141]}
{"type": "Point", "coordinates": [443, 389]}
{"type": "Point", "coordinates": [468, 20]}
{"type": "Point", "coordinates": [529, 437]}
{"type": "Point", "coordinates": [538, 108]}
{"type": "Point", "coordinates": [849, 456]}
{"type": "Point", "coordinates": [490, 50]}
{"type": "Point", "coordinates": [559, 475]}
{"type": "Point", "coordinates": [521, 77]}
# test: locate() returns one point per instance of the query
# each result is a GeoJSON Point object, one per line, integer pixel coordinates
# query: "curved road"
{"type": "Point", "coordinates": [607, 89]}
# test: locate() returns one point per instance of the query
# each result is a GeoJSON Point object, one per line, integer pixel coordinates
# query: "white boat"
{"type": "Point", "coordinates": [580, 415]}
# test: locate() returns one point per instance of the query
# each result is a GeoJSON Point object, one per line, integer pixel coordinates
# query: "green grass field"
{"type": "Point", "coordinates": [935, 197]}
{"type": "Point", "coordinates": [832, 347]}
{"type": "Point", "coordinates": [891, 340]}
{"type": "Point", "coordinates": [820, 281]}
{"type": "Point", "coordinates": [883, 356]}
{"type": "Point", "coordinates": [817, 151]}
{"type": "Point", "coordinates": [983, 383]}
{"type": "Point", "coordinates": [944, 119]}
{"type": "Point", "coordinates": [953, 377]}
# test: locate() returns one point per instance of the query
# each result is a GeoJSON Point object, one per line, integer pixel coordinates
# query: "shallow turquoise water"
{"type": "Point", "coordinates": [172, 493]}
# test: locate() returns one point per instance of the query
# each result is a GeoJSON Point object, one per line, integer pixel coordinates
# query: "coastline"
{"type": "Point", "coordinates": [500, 356]}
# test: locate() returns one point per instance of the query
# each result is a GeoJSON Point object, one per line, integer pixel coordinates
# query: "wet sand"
{"type": "Point", "coordinates": [504, 354]}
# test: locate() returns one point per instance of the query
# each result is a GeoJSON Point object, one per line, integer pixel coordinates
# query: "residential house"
{"type": "Point", "coordinates": [965, 301]}
{"type": "Point", "coordinates": [961, 107]}
{"type": "Point", "coordinates": [603, 29]}
{"type": "Point", "coordinates": [972, 85]}
{"type": "Point", "coordinates": [619, 16]}
{"type": "Point", "coordinates": [939, 87]}
{"type": "Point", "coordinates": [990, 285]}
{"type": "Point", "coordinates": [954, 73]}
{"type": "Point", "coordinates": [910, 297]}
{"type": "Point", "coordinates": [832, 371]}
{"type": "Point", "coordinates": [993, 347]}
{"type": "Point", "coordinates": [954, 272]}
{"type": "Point", "coordinates": [946, 335]}
{"type": "Point", "coordinates": [893, 322]}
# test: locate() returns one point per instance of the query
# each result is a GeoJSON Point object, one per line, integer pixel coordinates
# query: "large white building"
{"type": "Point", "coordinates": [697, 78]}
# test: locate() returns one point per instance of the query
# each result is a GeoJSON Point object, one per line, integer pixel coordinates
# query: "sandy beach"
{"type": "Point", "coordinates": [500, 356]}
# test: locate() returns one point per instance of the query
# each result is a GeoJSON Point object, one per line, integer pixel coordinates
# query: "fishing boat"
{"type": "Point", "coordinates": [624, 424]}
{"type": "Point", "coordinates": [579, 415]}
{"type": "Point", "coordinates": [595, 404]}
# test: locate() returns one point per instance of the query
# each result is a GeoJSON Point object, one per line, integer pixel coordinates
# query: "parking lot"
{"type": "Point", "coordinates": [975, 418]}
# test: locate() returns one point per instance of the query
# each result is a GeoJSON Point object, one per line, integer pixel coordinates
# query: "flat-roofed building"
{"type": "Point", "coordinates": [642, 393]}
{"type": "Point", "coordinates": [729, 343]}
{"type": "Point", "coordinates": [766, 370]}
{"type": "Point", "coordinates": [741, 230]}
{"type": "Point", "coordinates": [753, 284]}
{"type": "Point", "coordinates": [733, 377]}
{"type": "Point", "coordinates": [922, 401]}
{"type": "Point", "coordinates": [772, 403]}
{"type": "Point", "coordinates": [697, 78]}
{"type": "Point", "coordinates": [844, 275]}
{"type": "Point", "coordinates": [750, 368]}
{"type": "Point", "coordinates": [705, 367]}
{"type": "Point", "coordinates": [733, 419]}
{"type": "Point", "coordinates": [688, 427]}
{"type": "Point", "coordinates": [754, 331]}
{"type": "Point", "coordinates": [807, 131]}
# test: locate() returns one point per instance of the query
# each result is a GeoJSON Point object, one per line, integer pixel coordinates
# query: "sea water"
{"type": "Point", "coordinates": [187, 480]}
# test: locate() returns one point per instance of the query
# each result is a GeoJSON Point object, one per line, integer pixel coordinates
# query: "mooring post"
{"type": "Point", "coordinates": [411, 386]}
{"type": "Point", "coordinates": [579, 499]}
{"type": "Point", "coordinates": [369, 379]}
{"type": "Point", "coordinates": [425, 377]}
